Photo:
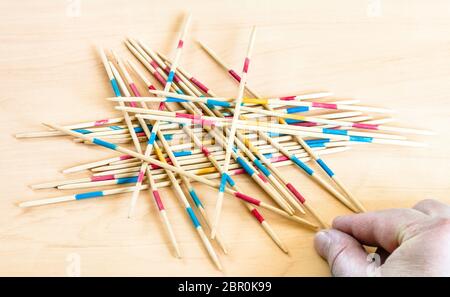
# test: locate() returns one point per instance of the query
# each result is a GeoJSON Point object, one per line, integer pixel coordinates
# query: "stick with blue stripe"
{"type": "Point", "coordinates": [155, 124]}
{"type": "Point", "coordinates": [297, 106]}
{"type": "Point", "coordinates": [144, 168]}
{"type": "Point", "coordinates": [139, 178]}
{"type": "Point", "coordinates": [172, 156]}
{"type": "Point", "coordinates": [109, 67]}
{"type": "Point", "coordinates": [259, 177]}
{"type": "Point", "coordinates": [310, 172]}
{"type": "Point", "coordinates": [190, 212]}
{"type": "Point", "coordinates": [80, 196]}
{"type": "Point", "coordinates": [190, 188]}
{"type": "Point", "coordinates": [232, 133]}
{"type": "Point", "coordinates": [143, 125]}
{"type": "Point", "coordinates": [331, 174]}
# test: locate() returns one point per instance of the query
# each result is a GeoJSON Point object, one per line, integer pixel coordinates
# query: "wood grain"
{"type": "Point", "coordinates": [50, 72]}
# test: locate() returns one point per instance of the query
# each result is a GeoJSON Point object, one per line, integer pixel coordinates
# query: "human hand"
{"type": "Point", "coordinates": [411, 242]}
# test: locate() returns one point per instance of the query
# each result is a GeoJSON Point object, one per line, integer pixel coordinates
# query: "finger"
{"type": "Point", "coordinates": [345, 256]}
{"type": "Point", "coordinates": [433, 208]}
{"type": "Point", "coordinates": [380, 228]}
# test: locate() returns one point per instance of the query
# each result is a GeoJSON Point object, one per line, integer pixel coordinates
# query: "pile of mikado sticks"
{"type": "Point", "coordinates": [196, 136]}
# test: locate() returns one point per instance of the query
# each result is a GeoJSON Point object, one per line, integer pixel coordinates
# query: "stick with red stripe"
{"type": "Point", "coordinates": [155, 128]}
{"type": "Point", "coordinates": [153, 186]}
{"type": "Point", "coordinates": [232, 133]}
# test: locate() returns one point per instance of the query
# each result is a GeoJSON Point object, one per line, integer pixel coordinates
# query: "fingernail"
{"type": "Point", "coordinates": [322, 242]}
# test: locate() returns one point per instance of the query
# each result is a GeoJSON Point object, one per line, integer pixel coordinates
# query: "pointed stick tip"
{"type": "Point", "coordinates": [22, 204]}
{"type": "Point", "coordinates": [219, 265]}
{"type": "Point", "coordinates": [200, 43]}
{"type": "Point", "coordinates": [48, 125]}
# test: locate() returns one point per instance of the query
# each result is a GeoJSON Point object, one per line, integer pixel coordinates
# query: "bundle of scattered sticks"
{"type": "Point", "coordinates": [196, 136]}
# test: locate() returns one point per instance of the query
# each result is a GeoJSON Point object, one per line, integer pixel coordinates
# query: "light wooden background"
{"type": "Point", "coordinates": [398, 57]}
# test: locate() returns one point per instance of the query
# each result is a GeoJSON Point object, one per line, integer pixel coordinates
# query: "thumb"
{"type": "Point", "coordinates": [345, 255]}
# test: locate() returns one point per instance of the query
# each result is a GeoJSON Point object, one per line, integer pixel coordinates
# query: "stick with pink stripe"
{"type": "Point", "coordinates": [145, 53]}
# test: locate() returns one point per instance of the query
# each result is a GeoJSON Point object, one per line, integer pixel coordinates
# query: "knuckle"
{"type": "Point", "coordinates": [437, 225]}
{"type": "Point", "coordinates": [425, 203]}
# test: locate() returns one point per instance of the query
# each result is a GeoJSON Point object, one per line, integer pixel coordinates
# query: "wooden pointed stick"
{"type": "Point", "coordinates": [95, 164]}
{"type": "Point", "coordinates": [96, 123]}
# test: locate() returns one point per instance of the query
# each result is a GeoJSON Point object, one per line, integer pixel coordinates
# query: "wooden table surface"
{"type": "Point", "coordinates": [393, 54]}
